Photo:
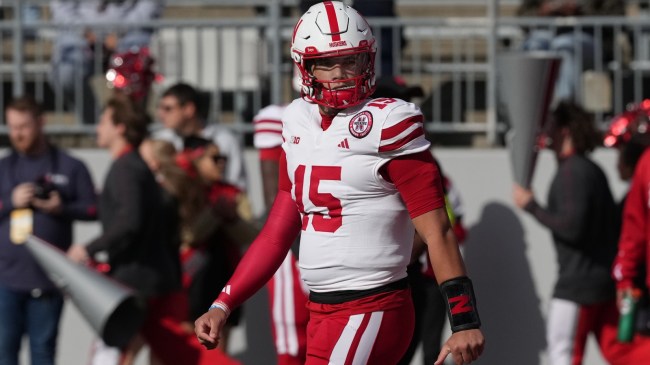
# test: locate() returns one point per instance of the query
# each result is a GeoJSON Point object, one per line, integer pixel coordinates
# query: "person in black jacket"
{"type": "Point", "coordinates": [139, 237]}
{"type": "Point", "coordinates": [581, 215]}
{"type": "Point", "coordinates": [132, 210]}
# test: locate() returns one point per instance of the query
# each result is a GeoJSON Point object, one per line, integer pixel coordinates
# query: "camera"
{"type": "Point", "coordinates": [43, 186]}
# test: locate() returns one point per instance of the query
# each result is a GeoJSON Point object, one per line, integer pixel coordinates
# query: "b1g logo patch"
{"type": "Point", "coordinates": [361, 124]}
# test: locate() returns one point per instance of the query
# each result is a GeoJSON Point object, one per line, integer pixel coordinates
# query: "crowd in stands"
{"type": "Point", "coordinates": [79, 53]}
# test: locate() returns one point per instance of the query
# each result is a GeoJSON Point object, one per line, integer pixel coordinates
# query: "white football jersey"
{"type": "Point", "coordinates": [267, 126]}
{"type": "Point", "coordinates": [356, 231]}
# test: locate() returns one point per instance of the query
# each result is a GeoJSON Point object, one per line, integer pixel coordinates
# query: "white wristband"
{"type": "Point", "coordinates": [221, 306]}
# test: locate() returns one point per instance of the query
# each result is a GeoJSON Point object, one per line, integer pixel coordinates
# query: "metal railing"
{"type": "Point", "coordinates": [243, 62]}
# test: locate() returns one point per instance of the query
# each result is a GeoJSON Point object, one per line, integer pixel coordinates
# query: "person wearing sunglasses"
{"type": "Point", "coordinates": [182, 112]}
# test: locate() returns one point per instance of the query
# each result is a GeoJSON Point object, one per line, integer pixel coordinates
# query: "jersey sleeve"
{"type": "Point", "coordinates": [402, 132]}
{"type": "Point", "coordinates": [267, 127]}
{"type": "Point", "coordinates": [418, 180]}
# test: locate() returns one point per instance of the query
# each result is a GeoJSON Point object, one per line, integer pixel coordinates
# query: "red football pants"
{"type": "Point", "coordinates": [374, 330]}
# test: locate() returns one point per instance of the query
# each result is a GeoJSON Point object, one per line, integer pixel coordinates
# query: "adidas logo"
{"type": "Point", "coordinates": [226, 289]}
{"type": "Point", "coordinates": [344, 144]}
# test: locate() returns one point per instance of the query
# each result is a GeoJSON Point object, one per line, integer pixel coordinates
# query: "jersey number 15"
{"type": "Point", "coordinates": [321, 222]}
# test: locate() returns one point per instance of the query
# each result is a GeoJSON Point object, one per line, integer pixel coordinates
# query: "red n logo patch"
{"type": "Point", "coordinates": [460, 304]}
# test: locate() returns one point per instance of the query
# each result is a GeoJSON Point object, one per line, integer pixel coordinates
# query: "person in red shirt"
{"type": "Point", "coordinates": [212, 248]}
{"type": "Point", "coordinates": [633, 253]}
{"type": "Point", "coordinates": [629, 132]}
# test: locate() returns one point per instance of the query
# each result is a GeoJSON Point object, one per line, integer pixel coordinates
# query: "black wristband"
{"type": "Point", "coordinates": [461, 304]}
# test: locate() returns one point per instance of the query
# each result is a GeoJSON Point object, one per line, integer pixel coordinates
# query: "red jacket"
{"type": "Point", "coordinates": [633, 252]}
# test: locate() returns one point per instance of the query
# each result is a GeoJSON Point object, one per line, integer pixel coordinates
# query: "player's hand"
{"type": "Point", "coordinates": [52, 205]}
{"type": "Point", "coordinates": [22, 195]}
{"type": "Point", "coordinates": [521, 196]}
{"type": "Point", "coordinates": [463, 346]}
{"type": "Point", "coordinates": [208, 327]}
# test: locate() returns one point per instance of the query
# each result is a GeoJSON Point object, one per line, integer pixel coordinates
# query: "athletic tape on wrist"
{"type": "Point", "coordinates": [461, 304]}
{"type": "Point", "coordinates": [221, 305]}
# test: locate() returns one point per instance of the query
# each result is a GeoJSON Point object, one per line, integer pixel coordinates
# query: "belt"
{"type": "Point", "coordinates": [342, 296]}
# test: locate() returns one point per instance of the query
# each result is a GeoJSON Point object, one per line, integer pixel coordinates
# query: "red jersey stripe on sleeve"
{"type": "Point", "coordinates": [396, 130]}
{"type": "Point", "coordinates": [268, 131]}
{"type": "Point", "coordinates": [401, 142]}
{"type": "Point", "coordinates": [268, 121]}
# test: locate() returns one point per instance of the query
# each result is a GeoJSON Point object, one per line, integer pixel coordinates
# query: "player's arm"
{"type": "Point", "coordinates": [436, 232]}
{"type": "Point", "coordinates": [419, 183]}
{"type": "Point", "coordinates": [258, 265]}
{"type": "Point", "coordinates": [569, 219]}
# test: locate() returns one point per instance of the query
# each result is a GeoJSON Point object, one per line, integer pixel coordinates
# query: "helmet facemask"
{"type": "Point", "coordinates": [357, 84]}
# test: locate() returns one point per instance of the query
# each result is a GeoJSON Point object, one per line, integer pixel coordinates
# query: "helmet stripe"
{"type": "Point", "coordinates": [334, 24]}
{"type": "Point", "coordinates": [295, 30]}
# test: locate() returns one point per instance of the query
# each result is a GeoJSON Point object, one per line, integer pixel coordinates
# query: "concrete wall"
{"type": "Point", "coordinates": [509, 256]}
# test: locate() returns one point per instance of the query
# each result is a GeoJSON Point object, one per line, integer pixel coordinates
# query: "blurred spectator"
{"type": "Point", "coordinates": [140, 239]}
{"type": "Point", "coordinates": [42, 190]}
{"type": "Point", "coordinates": [629, 155]}
{"type": "Point", "coordinates": [632, 138]}
{"type": "Point", "coordinates": [430, 306]}
{"type": "Point", "coordinates": [160, 156]}
{"type": "Point", "coordinates": [576, 47]}
{"type": "Point", "coordinates": [219, 234]}
{"type": "Point", "coordinates": [629, 134]}
{"type": "Point", "coordinates": [631, 265]}
{"type": "Point", "coordinates": [185, 195]}
{"type": "Point", "coordinates": [79, 51]}
{"type": "Point", "coordinates": [138, 235]}
{"type": "Point", "coordinates": [180, 110]}
{"type": "Point", "coordinates": [579, 214]}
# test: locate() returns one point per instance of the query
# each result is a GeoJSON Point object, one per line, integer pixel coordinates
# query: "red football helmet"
{"type": "Point", "coordinates": [633, 121]}
{"type": "Point", "coordinates": [332, 29]}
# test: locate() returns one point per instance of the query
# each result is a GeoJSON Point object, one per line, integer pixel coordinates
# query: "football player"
{"type": "Point", "coordinates": [356, 179]}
